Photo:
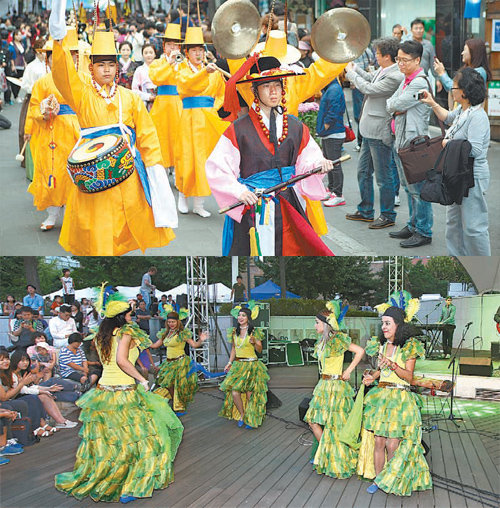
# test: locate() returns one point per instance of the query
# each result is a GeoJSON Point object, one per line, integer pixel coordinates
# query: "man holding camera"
{"type": "Point", "coordinates": [24, 327]}
{"type": "Point", "coordinates": [411, 119]}
{"type": "Point", "coordinates": [374, 126]}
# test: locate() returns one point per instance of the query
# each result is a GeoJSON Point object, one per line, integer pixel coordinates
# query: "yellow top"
{"type": "Point", "coordinates": [112, 375]}
{"type": "Point", "coordinates": [389, 376]}
{"type": "Point", "coordinates": [175, 343]}
{"type": "Point", "coordinates": [333, 365]}
{"type": "Point", "coordinates": [330, 355]}
{"type": "Point", "coordinates": [244, 348]}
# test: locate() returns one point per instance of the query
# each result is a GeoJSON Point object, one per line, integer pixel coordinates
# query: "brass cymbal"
{"type": "Point", "coordinates": [236, 28]}
{"type": "Point", "coordinates": [340, 35]}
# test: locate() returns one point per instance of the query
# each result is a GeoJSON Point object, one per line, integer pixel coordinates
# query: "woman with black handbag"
{"type": "Point", "coordinates": [467, 224]}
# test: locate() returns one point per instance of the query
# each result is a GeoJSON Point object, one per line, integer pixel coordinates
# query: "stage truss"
{"type": "Point", "coordinates": [198, 305]}
{"type": "Point", "coordinates": [396, 275]}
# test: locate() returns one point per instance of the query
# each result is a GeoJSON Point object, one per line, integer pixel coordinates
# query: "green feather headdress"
{"type": "Point", "coordinates": [402, 300]}
{"type": "Point", "coordinates": [337, 314]}
{"type": "Point", "coordinates": [251, 305]}
{"type": "Point", "coordinates": [109, 304]}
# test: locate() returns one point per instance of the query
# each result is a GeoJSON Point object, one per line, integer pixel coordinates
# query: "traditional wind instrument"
{"type": "Point", "coordinates": [283, 185]}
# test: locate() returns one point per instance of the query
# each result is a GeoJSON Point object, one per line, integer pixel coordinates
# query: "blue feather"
{"type": "Point", "coordinates": [402, 300]}
{"type": "Point", "coordinates": [393, 302]}
{"type": "Point", "coordinates": [343, 312]}
{"type": "Point", "coordinates": [196, 367]}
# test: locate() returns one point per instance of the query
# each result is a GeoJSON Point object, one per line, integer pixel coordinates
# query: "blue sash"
{"type": "Point", "coordinates": [202, 101]}
{"type": "Point", "coordinates": [167, 90]}
{"type": "Point", "coordinates": [64, 109]}
{"type": "Point", "coordinates": [261, 180]}
{"type": "Point", "coordinates": [138, 162]}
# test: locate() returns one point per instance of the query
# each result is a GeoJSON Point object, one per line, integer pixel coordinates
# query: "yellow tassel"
{"type": "Point", "coordinates": [254, 251]}
{"type": "Point", "coordinates": [268, 212]}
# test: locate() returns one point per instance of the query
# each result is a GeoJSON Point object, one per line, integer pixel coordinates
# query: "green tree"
{"type": "Point", "coordinates": [421, 280]}
{"type": "Point", "coordinates": [313, 277]}
{"type": "Point", "coordinates": [449, 269]}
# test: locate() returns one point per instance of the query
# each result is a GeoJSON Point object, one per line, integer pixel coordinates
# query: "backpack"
{"type": "Point", "coordinates": [21, 430]}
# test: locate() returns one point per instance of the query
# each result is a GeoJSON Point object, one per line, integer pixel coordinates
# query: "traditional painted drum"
{"type": "Point", "coordinates": [100, 163]}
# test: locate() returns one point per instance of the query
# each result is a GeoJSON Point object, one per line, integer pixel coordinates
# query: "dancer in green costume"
{"type": "Point", "coordinates": [171, 379]}
{"type": "Point", "coordinates": [333, 395]}
{"type": "Point", "coordinates": [246, 382]}
{"type": "Point", "coordinates": [129, 435]}
{"type": "Point", "coordinates": [391, 452]}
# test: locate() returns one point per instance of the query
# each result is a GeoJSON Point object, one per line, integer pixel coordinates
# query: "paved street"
{"type": "Point", "coordinates": [20, 222]}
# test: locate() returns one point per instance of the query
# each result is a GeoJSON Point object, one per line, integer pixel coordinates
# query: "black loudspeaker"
{"type": "Point", "coordinates": [474, 366]}
{"type": "Point", "coordinates": [277, 354]}
{"type": "Point", "coordinates": [272, 401]}
{"type": "Point", "coordinates": [182, 300]}
{"type": "Point", "coordinates": [495, 350]}
{"type": "Point", "coordinates": [303, 407]}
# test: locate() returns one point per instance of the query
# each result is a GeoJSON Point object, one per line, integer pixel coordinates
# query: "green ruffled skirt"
{"type": "Point", "coordinates": [246, 377]}
{"type": "Point", "coordinates": [394, 413]}
{"type": "Point", "coordinates": [330, 407]}
{"type": "Point", "coordinates": [173, 374]}
{"type": "Point", "coordinates": [129, 442]}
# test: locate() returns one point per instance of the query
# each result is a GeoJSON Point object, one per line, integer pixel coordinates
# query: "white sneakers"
{"type": "Point", "coordinates": [182, 204]}
{"type": "Point", "coordinates": [198, 207]}
{"type": "Point", "coordinates": [67, 424]}
{"type": "Point", "coordinates": [335, 201]}
{"type": "Point", "coordinates": [397, 200]}
{"type": "Point", "coordinates": [52, 215]}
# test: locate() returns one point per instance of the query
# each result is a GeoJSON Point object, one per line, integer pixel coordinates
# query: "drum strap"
{"type": "Point", "coordinates": [127, 133]}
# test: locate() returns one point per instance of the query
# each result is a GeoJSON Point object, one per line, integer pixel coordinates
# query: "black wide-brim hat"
{"type": "Point", "coordinates": [267, 68]}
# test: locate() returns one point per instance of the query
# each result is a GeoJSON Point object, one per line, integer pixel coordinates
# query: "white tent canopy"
{"type": "Point", "coordinates": [484, 271]}
{"type": "Point", "coordinates": [218, 292]}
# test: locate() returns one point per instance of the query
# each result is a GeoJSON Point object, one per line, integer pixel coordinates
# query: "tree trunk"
{"type": "Point", "coordinates": [282, 276]}
{"type": "Point", "coordinates": [31, 272]}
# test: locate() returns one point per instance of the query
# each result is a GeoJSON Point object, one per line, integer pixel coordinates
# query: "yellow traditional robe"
{"type": "Point", "coordinates": [51, 181]}
{"type": "Point", "coordinates": [199, 130]}
{"type": "Point", "coordinates": [298, 90]}
{"type": "Point", "coordinates": [119, 219]}
{"type": "Point", "coordinates": [166, 110]}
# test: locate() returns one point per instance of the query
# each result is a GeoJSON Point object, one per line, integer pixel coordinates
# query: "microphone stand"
{"type": "Point", "coordinates": [454, 374]}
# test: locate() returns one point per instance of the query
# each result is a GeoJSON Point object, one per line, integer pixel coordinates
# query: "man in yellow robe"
{"type": "Point", "coordinates": [132, 213]}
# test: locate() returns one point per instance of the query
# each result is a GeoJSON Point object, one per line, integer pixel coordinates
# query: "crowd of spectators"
{"type": "Point", "coordinates": [51, 358]}
{"type": "Point", "coordinates": [385, 81]}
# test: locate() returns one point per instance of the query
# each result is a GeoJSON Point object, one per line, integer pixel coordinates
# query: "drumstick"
{"type": "Point", "coordinates": [223, 72]}
{"type": "Point", "coordinates": [20, 156]}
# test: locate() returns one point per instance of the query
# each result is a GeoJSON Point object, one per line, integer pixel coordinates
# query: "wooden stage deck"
{"type": "Point", "coordinates": [219, 465]}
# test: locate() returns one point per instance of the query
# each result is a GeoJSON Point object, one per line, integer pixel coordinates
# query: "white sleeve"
{"type": "Point", "coordinates": [57, 20]}
{"type": "Point", "coordinates": [162, 197]}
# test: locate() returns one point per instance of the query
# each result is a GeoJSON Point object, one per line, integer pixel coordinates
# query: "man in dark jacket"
{"type": "Point", "coordinates": [331, 129]}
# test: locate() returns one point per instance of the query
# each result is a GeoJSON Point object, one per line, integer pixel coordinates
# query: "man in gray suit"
{"type": "Point", "coordinates": [411, 119]}
{"type": "Point", "coordinates": [374, 126]}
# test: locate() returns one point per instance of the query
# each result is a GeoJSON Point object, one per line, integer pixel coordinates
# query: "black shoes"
{"type": "Point", "coordinates": [381, 222]}
{"type": "Point", "coordinates": [416, 240]}
{"type": "Point", "coordinates": [357, 216]}
{"type": "Point", "coordinates": [402, 234]}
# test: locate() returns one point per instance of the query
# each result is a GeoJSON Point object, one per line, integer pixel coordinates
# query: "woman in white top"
{"type": "Point", "coordinates": [141, 83]}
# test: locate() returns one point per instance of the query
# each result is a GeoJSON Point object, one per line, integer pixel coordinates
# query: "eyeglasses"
{"type": "Point", "coordinates": [404, 60]}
